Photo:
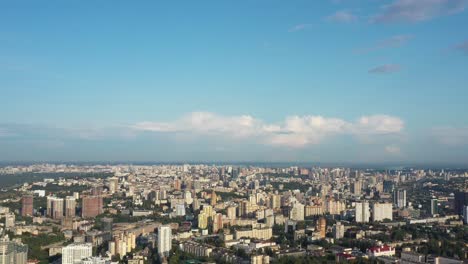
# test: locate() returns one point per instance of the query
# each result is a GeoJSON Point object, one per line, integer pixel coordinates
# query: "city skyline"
{"type": "Point", "coordinates": [267, 81]}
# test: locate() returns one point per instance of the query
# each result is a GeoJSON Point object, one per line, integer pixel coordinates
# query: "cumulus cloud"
{"type": "Point", "coordinates": [386, 68]}
{"type": "Point", "coordinates": [294, 131]}
{"type": "Point", "coordinates": [299, 27]}
{"type": "Point", "coordinates": [342, 16]}
{"type": "Point", "coordinates": [417, 10]}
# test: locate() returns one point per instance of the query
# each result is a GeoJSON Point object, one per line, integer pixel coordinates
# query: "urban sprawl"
{"type": "Point", "coordinates": [138, 214]}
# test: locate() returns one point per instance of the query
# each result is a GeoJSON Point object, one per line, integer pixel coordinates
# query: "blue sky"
{"type": "Point", "coordinates": [319, 81]}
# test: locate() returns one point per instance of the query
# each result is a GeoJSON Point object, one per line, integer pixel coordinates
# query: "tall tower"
{"type": "Point", "coordinates": [362, 212]}
{"type": "Point", "coordinates": [54, 207]}
{"type": "Point", "coordinates": [92, 206]}
{"type": "Point", "coordinates": [164, 240]}
{"type": "Point", "coordinates": [399, 198]}
{"type": "Point", "coordinates": [27, 205]}
{"type": "Point", "coordinates": [322, 227]}
{"type": "Point", "coordinates": [70, 206]}
{"type": "Point", "coordinates": [214, 198]}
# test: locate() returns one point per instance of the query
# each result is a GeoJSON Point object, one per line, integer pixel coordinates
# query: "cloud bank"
{"type": "Point", "coordinates": [294, 131]}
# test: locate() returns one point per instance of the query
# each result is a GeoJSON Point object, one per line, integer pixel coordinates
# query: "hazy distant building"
{"type": "Point", "coordinates": [27, 205]}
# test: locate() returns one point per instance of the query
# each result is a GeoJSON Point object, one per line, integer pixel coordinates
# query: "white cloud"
{"type": "Point", "coordinates": [294, 131]}
{"type": "Point", "coordinates": [342, 16]}
{"type": "Point", "coordinates": [299, 27]}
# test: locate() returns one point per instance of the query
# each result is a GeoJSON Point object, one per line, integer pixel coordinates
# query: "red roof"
{"type": "Point", "coordinates": [380, 249]}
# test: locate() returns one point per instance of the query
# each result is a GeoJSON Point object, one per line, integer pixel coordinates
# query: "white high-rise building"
{"type": "Point", "coordinates": [180, 209]}
{"type": "Point", "coordinates": [338, 230]}
{"type": "Point", "coordinates": [381, 211]}
{"type": "Point", "coordinates": [164, 240]}
{"type": "Point", "coordinates": [362, 212]}
{"type": "Point", "coordinates": [12, 252]}
{"type": "Point", "coordinates": [297, 212]}
{"type": "Point", "coordinates": [75, 252]}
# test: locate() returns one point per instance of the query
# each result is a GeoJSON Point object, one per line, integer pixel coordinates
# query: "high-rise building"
{"type": "Point", "coordinates": [399, 198]}
{"type": "Point", "coordinates": [322, 227]}
{"type": "Point", "coordinates": [9, 220]}
{"type": "Point", "coordinates": [382, 211]}
{"type": "Point", "coordinates": [70, 206]}
{"type": "Point", "coordinates": [434, 207]}
{"type": "Point", "coordinates": [214, 198]}
{"type": "Point", "coordinates": [465, 214]}
{"type": "Point", "coordinates": [461, 200]}
{"type": "Point", "coordinates": [12, 252]}
{"type": "Point", "coordinates": [275, 201]}
{"type": "Point", "coordinates": [92, 206]}
{"type": "Point", "coordinates": [356, 187]}
{"type": "Point", "coordinates": [338, 230]}
{"type": "Point", "coordinates": [113, 184]}
{"type": "Point", "coordinates": [297, 212]}
{"type": "Point", "coordinates": [362, 212]}
{"type": "Point", "coordinates": [75, 252]}
{"type": "Point", "coordinates": [177, 184]}
{"type": "Point", "coordinates": [202, 220]}
{"type": "Point", "coordinates": [27, 205]}
{"type": "Point", "coordinates": [388, 186]}
{"type": "Point", "coordinates": [54, 207]}
{"type": "Point", "coordinates": [164, 240]}
{"type": "Point", "coordinates": [180, 209]}
{"type": "Point", "coordinates": [217, 222]}
{"type": "Point", "coordinates": [231, 212]}
{"type": "Point", "coordinates": [107, 224]}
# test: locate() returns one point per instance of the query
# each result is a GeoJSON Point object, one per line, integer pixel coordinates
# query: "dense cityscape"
{"type": "Point", "coordinates": [189, 213]}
